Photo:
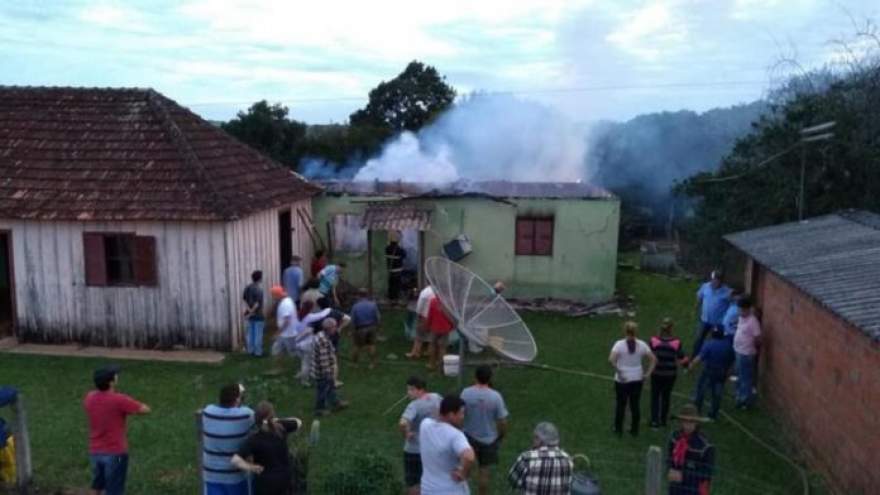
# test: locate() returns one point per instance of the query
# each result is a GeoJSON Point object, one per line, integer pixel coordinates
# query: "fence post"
{"type": "Point", "coordinates": [24, 468]}
{"type": "Point", "coordinates": [199, 445]}
{"type": "Point", "coordinates": [654, 471]}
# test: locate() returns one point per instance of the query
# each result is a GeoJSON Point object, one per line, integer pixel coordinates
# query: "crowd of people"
{"type": "Point", "coordinates": [447, 439]}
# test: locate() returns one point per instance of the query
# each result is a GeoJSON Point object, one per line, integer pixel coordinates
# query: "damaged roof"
{"type": "Point", "coordinates": [832, 258]}
{"type": "Point", "coordinates": [128, 154]}
{"type": "Point", "coordinates": [496, 189]}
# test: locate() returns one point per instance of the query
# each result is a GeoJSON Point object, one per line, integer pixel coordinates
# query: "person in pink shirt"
{"type": "Point", "coordinates": [746, 343]}
{"type": "Point", "coordinates": [107, 411]}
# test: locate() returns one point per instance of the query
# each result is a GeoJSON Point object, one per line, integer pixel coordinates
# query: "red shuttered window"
{"type": "Point", "coordinates": [534, 236]}
{"type": "Point", "coordinates": [114, 259]}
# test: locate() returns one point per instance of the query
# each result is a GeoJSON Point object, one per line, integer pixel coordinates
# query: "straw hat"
{"type": "Point", "coordinates": [688, 412]}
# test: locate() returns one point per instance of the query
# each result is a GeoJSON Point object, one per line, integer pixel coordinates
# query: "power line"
{"type": "Point", "coordinates": [581, 89]}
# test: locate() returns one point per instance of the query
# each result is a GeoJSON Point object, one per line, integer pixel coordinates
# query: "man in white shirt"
{"type": "Point", "coordinates": [447, 456]}
{"type": "Point", "coordinates": [287, 321]}
{"type": "Point", "coordinates": [422, 335]}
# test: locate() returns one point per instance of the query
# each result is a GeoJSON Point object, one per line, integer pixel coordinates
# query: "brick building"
{"type": "Point", "coordinates": [817, 283]}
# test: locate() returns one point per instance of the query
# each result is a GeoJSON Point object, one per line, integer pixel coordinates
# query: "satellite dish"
{"type": "Point", "coordinates": [482, 315]}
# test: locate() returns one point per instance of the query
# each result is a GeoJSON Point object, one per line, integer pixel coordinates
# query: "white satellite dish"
{"type": "Point", "coordinates": [481, 315]}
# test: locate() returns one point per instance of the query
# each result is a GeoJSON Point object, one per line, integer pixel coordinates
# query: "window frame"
{"type": "Point", "coordinates": [531, 222]}
{"type": "Point", "coordinates": [143, 267]}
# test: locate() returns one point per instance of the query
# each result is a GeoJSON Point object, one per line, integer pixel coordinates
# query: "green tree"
{"type": "Point", "coordinates": [267, 128]}
{"type": "Point", "coordinates": [407, 102]}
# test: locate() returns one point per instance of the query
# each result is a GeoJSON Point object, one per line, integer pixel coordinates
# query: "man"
{"type": "Point", "coordinates": [544, 470]}
{"type": "Point", "coordinates": [423, 405]}
{"type": "Point", "coordinates": [746, 343]}
{"type": "Point", "coordinates": [690, 458]}
{"type": "Point", "coordinates": [323, 366]}
{"type": "Point", "coordinates": [485, 423]}
{"type": "Point", "coordinates": [422, 336]}
{"type": "Point", "coordinates": [253, 300]}
{"type": "Point", "coordinates": [292, 279]}
{"type": "Point", "coordinates": [287, 321]}
{"type": "Point", "coordinates": [716, 356]}
{"type": "Point", "coordinates": [328, 280]}
{"type": "Point", "coordinates": [439, 326]}
{"type": "Point", "coordinates": [225, 427]}
{"type": "Point", "coordinates": [713, 298]}
{"type": "Point", "coordinates": [446, 455]}
{"type": "Point", "coordinates": [394, 256]}
{"type": "Point", "coordinates": [107, 411]}
{"type": "Point", "coordinates": [342, 321]}
{"type": "Point", "coordinates": [731, 316]}
{"type": "Point", "coordinates": [669, 351]}
{"type": "Point", "coordinates": [365, 318]}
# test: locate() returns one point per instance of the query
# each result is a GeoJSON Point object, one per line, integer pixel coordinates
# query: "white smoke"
{"type": "Point", "coordinates": [486, 137]}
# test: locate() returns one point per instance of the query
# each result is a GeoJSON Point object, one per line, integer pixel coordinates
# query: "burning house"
{"type": "Point", "coordinates": [127, 220]}
{"type": "Point", "coordinates": [542, 239]}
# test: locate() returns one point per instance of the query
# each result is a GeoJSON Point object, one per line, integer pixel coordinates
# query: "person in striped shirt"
{"type": "Point", "coordinates": [224, 428]}
{"type": "Point", "coordinates": [546, 468]}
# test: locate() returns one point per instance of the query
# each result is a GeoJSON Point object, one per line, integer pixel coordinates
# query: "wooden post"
{"type": "Point", "coordinates": [199, 445]}
{"type": "Point", "coordinates": [23, 466]}
{"type": "Point", "coordinates": [370, 262]}
{"type": "Point", "coordinates": [654, 471]}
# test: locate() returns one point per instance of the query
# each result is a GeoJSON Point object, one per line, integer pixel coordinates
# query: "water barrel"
{"type": "Point", "coordinates": [451, 365]}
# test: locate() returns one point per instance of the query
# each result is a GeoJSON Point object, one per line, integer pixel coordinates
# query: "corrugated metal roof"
{"type": "Point", "coordinates": [396, 217]}
{"type": "Point", "coordinates": [128, 154]}
{"type": "Point", "coordinates": [498, 189]}
{"type": "Point", "coordinates": [833, 258]}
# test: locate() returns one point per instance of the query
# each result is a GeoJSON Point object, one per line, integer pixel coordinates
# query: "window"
{"type": "Point", "coordinates": [534, 236]}
{"type": "Point", "coordinates": [114, 259]}
{"type": "Point", "coordinates": [348, 234]}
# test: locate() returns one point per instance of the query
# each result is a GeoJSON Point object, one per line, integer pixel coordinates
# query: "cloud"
{"type": "Point", "coordinates": [650, 32]}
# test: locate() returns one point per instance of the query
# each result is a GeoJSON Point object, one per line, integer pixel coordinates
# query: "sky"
{"type": "Point", "coordinates": [590, 59]}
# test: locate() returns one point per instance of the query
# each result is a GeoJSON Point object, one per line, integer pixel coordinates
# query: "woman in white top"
{"type": "Point", "coordinates": [628, 356]}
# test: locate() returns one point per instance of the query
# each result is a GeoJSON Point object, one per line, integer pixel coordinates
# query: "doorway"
{"type": "Point", "coordinates": [7, 294]}
{"type": "Point", "coordinates": [285, 240]}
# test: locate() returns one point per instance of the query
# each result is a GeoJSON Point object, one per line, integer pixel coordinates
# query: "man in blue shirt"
{"type": "Point", "coordinates": [224, 428]}
{"type": "Point", "coordinates": [731, 316]}
{"type": "Point", "coordinates": [328, 279]}
{"type": "Point", "coordinates": [713, 298]}
{"type": "Point", "coordinates": [365, 319]}
{"type": "Point", "coordinates": [292, 279]}
{"type": "Point", "coordinates": [716, 357]}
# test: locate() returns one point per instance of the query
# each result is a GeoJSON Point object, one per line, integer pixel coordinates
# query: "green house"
{"type": "Point", "coordinates": [541, 239]}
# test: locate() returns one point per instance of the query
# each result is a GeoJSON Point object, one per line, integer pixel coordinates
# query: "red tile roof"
{"type": "Point", "coordinates": [128, 154]}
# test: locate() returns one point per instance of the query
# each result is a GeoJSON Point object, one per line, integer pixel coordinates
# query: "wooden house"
{"type": "Point", "coordinates": [127, 220]}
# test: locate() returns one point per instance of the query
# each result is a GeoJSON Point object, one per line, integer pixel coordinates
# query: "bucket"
{"type": "Point", "coordinates": [584, 482]}
{"type": "Point", "coordinates": [451, 365]}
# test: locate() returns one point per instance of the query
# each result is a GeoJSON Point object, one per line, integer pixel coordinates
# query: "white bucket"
{"type": "Point", "coordinates": [451, 365]}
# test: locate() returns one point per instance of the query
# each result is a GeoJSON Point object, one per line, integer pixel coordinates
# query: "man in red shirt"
{"type": "Point", "coordinates": [439, 325]}
{"type": "Point", "coordinates": [108, 446]}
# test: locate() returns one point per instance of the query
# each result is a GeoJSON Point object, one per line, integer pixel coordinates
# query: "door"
{"type": "Point", "coordinates": [285, 239]}
{"type": "Point", "coordinates": [7, 306]}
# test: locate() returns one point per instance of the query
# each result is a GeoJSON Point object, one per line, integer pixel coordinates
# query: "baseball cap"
{"type": "Point", "coordinates": [106, 373]}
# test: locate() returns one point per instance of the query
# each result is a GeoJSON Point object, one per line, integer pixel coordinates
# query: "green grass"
{"type": "Point", "coordinates": [163, 447]}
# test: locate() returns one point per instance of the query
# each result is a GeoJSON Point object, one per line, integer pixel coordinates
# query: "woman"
{"type": "Point", "coordinates": [690, 458]}
{"type": "Point", "coordinates": [266, 454]}
{"type": "Point", "coordinates": [669, 351]}
{"type": "Point", "coordinates": [627, 358]}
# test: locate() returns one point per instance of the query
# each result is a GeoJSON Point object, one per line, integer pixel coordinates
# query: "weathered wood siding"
{"type": "Point", "coordinates": [188, 307]}
{"type": "Point", "coordinates": [253, 244]}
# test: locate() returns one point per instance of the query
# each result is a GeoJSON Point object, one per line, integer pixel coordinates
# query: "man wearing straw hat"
{"type": "Point", "coordinates": [546, 468]}
{"type": "Point", "coordinates": [690, 457]}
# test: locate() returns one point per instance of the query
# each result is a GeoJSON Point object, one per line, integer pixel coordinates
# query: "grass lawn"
{"type": "Point", "coordinates": [163, 448]}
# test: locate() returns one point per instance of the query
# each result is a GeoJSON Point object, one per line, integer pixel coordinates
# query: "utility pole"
{"type": "Point", "coordinates": [808, 135]}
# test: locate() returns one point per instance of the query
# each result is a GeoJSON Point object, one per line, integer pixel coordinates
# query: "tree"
{"type": "Point", "coordinates": [407, 102]}
{"type": "Point", "coordinates": [267, 128]}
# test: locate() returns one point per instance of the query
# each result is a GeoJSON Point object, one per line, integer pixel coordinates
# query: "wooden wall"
{"type": "Point", "coordinates": [253, 244]}
{"type": "Point", "coordinates": [53, 303]}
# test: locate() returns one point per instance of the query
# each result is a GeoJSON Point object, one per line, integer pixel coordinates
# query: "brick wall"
{"type": "Point", "coordinates": [822, 376]}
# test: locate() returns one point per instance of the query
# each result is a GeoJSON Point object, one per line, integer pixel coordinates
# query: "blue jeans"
{"type": "Point", "coordinates": [326, 394]}
{"type": "Point", "coordinates": [242, 488]}
{"type": "Point", "coordinates": [745, 371]}
{"type": "Point", "coordinates": [714, 381]}
{"type": "Point", "coordinates": [108, 473]}
{"type": "Point", "coordinates": [254, 339]}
